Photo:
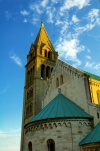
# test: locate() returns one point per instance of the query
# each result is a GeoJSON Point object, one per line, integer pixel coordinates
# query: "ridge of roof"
{"type": "Point", "coordinates": [60, 107]}
{"type": "Point", "coordinates": [93, 136]}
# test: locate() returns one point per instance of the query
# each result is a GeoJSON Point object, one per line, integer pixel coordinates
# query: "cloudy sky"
{"type": "Point", "coordinates": [74, 29]}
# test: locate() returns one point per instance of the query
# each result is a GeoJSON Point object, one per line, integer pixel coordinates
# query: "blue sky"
{"type": "Point", "coordinates": [74, 29]}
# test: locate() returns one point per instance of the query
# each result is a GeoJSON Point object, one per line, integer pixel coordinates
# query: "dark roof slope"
{"type": "Point", "coordinates": [93, 136]}
{"type": "Point", "coordinates": [60, 107]}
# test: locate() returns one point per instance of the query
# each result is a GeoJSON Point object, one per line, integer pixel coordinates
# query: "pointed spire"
{"type": "Point", "coordinates": [43, 38]}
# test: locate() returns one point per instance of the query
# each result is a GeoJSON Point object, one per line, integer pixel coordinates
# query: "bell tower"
{"type": "Point", "coordinates": [40, 62]}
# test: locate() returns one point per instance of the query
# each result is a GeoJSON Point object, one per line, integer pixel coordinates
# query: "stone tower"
{"type": "Point", "coordinates": [40, 62]}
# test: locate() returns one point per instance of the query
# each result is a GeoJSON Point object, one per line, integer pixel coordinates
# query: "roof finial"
{"type": "Point", "coordinates": [42, 22]}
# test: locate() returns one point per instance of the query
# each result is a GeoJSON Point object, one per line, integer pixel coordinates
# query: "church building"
{"type": "Point", "coordinates": [61, 106]}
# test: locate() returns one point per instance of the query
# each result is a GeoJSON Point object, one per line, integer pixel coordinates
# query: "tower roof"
{"type": "Point", "coordinates": [43, 38]}
{"type": "Point", "coordinates": [60, 107]}
{"type": "Point", "coordinates": [93, 136]}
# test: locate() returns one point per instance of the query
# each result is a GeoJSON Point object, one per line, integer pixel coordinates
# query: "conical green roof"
{"type": "Point", "coordinates": [60, 107]}
{"type": "Point", "coordinates": [93, 136]}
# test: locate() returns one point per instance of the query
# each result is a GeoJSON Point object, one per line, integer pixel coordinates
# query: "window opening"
{"type": "Point", "coordinates": [29, 146]}
{"type": "Point", "coordinates": [42, 71]}
{"type": "Point", "coordinates": [97, 114]}
{"type": "Point", "coordinates": [45, 53]}
{"type": "Point", "coordinates": [49, 54]}
{"type": "Point", "coordinates": [51, 145]}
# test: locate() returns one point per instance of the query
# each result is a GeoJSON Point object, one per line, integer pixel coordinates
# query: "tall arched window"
{"type": "Point", "coordinates": [51, 145]}
{"type": "Point", "coordinates": [29, 146]}
{"type": "Point", "coordinates": [45, 53]}
{"type": "Point", "coordinates": [98, 96]}
{"type": "Point", "coordinates": [97, 114]}
{"type": "Point", "coordinates": [49, 54]}
{"type": "Point", "coordinates": [42, 71]}
{"type": "Point", "coordinates": [61, 79]}
{"type": "Point", "coordinates": [57, 82]}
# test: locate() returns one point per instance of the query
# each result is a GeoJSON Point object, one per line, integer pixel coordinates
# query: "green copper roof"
{"type": "Point", "coordinates": [90, 75]}
{"type": "Point", "coordinates": [60, 107]}
{"type": "Point", "coordinates": [93, 136]}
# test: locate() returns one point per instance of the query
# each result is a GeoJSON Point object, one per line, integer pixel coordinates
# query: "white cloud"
{"type": "Point", "coordinates": [35, 7]}
{"type": "Point", "coordinates": [97, 66]}
{"type": "Point", "coordinates": [75, 19]}
{"type": "Point", "coordinates": [10, 140]}
{"type": "Point", "coordinates": [88, 57]}
{"type": "Point", "coordinates": [92, 65]}
{"type": "Point", "coordinates": [69, 49]}
{"type": "Point", "coordinates": [50, 12]}
{"type": "Point", "coordinates": [55, 1]}
{"type": "Point", "coordinates": [8, 15]}
{"type": "Point", "coordinates": [44, 3]}
{"type": "Point", "coordinates": [93, 15]}
{"type": "Point", "coordinates": [64, 27]}
{"type": "Point", "coordinates": [89, 64]}
{"type": "Point", "coordinates": [58, 22]}
{"type": "Point", "coordinates": [24, 13]}
{"type": "Point", "coordinates": [68, 4]}
{"type": "Point", "coordinates": [34, 20]}
{"type": "Point", "coordinates": [25, 20]}
{"type": "Point", "coordinates": [16, 59]}
{"type": "Point", "coordinates": [93, 20]}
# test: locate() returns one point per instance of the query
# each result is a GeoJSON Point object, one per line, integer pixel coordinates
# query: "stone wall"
{"type": "Point", "coordinates": [66, 134]}
{"type": "Point", "coordinates": [73, 86]}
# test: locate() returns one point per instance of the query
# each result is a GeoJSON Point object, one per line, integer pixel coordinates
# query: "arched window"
{"type": "Point", "coordinates": [57, 82]}
{"type": "Point", "coordinates": [97, 114]}
{"type": "Point", "coordinates": [45, 53]}
{"type": "Point", "coordinates": [49, 54]}
{"type": "Point", "coordinates": [48, 71]}
{"type": "Point", "coordinates": [61, 79]}
{"type": "Point", "coordinates": [98, 96]}
{"type": "Point", "coordinates": [51, 145]}
{"type": "Point", "coordinates": [42, 71]}
{"type": "Point", "coordinates": [29, 146]}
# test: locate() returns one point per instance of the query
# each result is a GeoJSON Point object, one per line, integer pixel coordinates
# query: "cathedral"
{"type": "Point", "coordinates": [61, 106]}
